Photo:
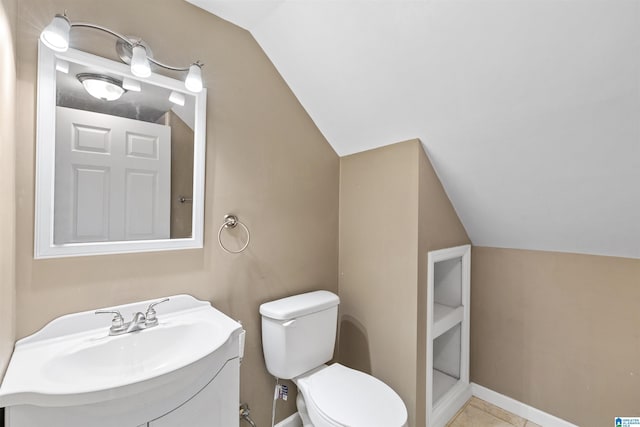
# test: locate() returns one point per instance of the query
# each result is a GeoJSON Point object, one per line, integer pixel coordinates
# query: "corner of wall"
{"type": "Point", "coordinates": [8, 18]}
{"type": "Point", "coordinates": [438, 227]}
{"type": "Point", "coordinates": [378, 240]}
{"type": "Point", "coordinates": [439, 220]}
{"type": "Point", "coordinates": [393, 210]}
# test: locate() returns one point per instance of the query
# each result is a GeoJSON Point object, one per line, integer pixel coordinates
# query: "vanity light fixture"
{"type": "Point", "coordinates": [193, 82]}
{"type": "Point", "coordinates": [102, 87]}
{"type": "Point", "coordinates": [140, 66]}
{"type": "Point", "coordinates": [56, 37]}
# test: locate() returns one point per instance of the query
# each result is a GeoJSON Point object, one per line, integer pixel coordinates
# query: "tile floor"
{"type": "Point", "coordinates": [478, 413]}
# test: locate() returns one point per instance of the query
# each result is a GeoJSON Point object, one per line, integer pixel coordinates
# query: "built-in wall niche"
{"type": "Point", "coordinates": [448, 299]}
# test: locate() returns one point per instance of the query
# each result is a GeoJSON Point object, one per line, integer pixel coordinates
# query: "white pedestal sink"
{"type": "Point", "coordinates": [183, 372]}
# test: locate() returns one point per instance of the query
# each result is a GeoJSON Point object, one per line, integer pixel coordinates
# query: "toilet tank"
{"type": "Point", "coordinates": [299, 332]}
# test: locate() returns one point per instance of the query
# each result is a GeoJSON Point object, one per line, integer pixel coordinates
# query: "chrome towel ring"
{"type": "Point", "coordinates": [231, 221]}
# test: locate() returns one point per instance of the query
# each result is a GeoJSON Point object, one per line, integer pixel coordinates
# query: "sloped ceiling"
{"type": "Point", "coordinates": [528, 109]}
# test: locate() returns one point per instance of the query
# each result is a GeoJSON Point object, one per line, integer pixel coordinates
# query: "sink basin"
{"type": "Point", "coordinates": [73, 361]}
{"type": "Point", "coordinates": [136, 355]}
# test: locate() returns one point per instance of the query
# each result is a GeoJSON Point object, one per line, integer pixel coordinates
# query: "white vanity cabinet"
{"type": "Point", "coordinates": [215, 406]}
{"type": "Point", "coordinates": [448, 310]}
{"type": "Point", "coordinates": [183, 372]}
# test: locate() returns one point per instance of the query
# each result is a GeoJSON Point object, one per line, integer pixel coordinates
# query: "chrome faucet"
{"type": "Point", "coordinates": [139, 322]}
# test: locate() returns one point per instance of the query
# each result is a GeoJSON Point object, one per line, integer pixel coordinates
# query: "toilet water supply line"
{"type": "Point", "coordinates": [245, 414]}
{"type": "Point", "coordinates": [281, 392]}
{"type": "Point", "coordinates": [276, 394]}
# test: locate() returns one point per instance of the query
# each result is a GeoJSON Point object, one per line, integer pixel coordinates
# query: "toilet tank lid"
{"type": "Point", "coordinates": [299, 305]}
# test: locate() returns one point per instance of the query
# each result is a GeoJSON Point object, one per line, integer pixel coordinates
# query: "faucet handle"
{"type": "Point", "coordinates": [117, 323]}
{"type": "Point", "coordinates": [152, 320]}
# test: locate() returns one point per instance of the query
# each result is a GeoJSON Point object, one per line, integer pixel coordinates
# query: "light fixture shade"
{"type": "Point", "coordinates": [102, 87]}
{"type": "Point", "coordinates": [140, 66]}
{"type": "Point", "coordinates": [131, 84]}
{"type": "Point", "coordinates": [177, 98]}
{"type": "Point", "coordinates": [193, 82]}
{"type": "Point", "coordinates": [56, 34]}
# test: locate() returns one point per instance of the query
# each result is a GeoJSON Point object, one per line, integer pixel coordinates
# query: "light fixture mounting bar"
{"type": "Point", "coordinates": [105, 29]}
{"type": "Point", "coordinates": [130, 43]}
{"type": "Point", "coordinates": [169, 67]}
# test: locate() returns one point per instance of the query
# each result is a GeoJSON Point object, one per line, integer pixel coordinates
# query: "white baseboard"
{"type": "Point", "coordinates": [450, 404]}
{"type": "Point", "coordinates": [292, 421]}
{"type": "Point", "coordinates": [518, 408]}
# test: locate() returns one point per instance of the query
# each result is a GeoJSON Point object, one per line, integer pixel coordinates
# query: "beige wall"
{"type": "Point", "coordinates": [392, 211]}
{"type": "Point", "coordinates": [7, 179]}
{"type": "Point", "coordinates": [560, 332]}
{"type": "Point", "coordinates": [379, 266]}
{"type": "Point", "coordinates": [266, 162]}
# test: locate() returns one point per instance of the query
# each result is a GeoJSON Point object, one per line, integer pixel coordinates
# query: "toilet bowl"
{"type": "Point", "coordinates": [298, 338]}
{"type": "Point", "coordinates": [338, 396]}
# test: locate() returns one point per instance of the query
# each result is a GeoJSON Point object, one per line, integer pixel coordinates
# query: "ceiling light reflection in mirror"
{"type": "Point", "coordinates": [101, 87]}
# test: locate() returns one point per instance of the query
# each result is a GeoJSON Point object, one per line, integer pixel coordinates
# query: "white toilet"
{"type": "Point", "coordinates": [298, 338]}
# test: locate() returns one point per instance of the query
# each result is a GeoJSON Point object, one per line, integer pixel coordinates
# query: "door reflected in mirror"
{"type": "Point", "coordinates": [125, 157]}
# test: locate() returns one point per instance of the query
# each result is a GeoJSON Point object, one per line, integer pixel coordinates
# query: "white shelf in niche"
{"type": "Point", "coordinates": [442, 383]}
{"type": "Point", "coordinates": [445, 318]}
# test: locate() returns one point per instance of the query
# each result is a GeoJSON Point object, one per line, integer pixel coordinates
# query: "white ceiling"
{"type": "Point", "coordinates": [528, 109]}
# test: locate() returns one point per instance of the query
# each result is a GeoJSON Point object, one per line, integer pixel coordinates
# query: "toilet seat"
{"type": "Point", "coordinates": [344, 397]}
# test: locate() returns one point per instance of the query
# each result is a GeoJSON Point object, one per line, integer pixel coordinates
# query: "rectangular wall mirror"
{"type": "Point", "coordinates": [120, 159]}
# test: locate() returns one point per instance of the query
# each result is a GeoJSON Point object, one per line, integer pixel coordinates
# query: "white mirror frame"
{"type": "Point", "coordinates": [44, 246]}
